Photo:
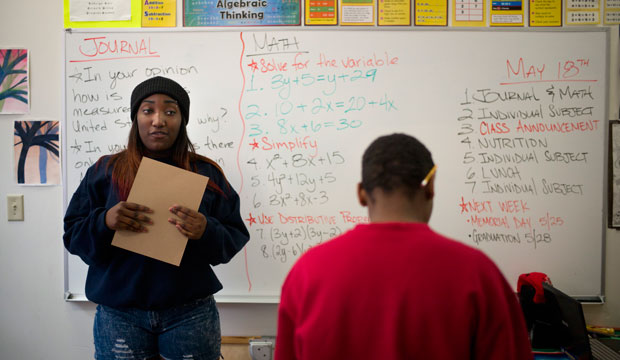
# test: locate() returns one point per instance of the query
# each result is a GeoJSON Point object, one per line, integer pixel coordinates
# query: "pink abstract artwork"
{"type": "Point", "coordinates": [14, 81]}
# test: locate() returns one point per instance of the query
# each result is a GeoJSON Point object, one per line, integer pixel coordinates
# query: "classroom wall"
{"type": "Point", "coordinates": [35, 321]}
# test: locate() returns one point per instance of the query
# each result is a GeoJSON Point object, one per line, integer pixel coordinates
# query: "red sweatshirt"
{"type": "Point", "coordinates": [398, 291]}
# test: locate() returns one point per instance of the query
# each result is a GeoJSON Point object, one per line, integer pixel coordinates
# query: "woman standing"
{"type": "Point", "coordinates": [147, 308]}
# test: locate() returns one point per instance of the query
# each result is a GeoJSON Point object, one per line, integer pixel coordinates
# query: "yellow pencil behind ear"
{"type": "Point", "coordinates": [429, 176]}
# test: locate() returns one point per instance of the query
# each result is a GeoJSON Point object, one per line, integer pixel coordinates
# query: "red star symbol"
{"type": "Point", "coordinates": [253, 65]}
{"type": "Point", "coordinates": [251, 219]}
{"type": "Point", "coordinates": [254, 144]}
{"type": "Point", "coordinates": [463, 205]}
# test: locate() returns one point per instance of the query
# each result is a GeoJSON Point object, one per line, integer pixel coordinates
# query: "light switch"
{"type": "Point", "coordinates": [15, 207]}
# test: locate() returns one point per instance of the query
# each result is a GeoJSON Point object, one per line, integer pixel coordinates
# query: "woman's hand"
{"type": "Point", "coordinates": [128, 216]}
{"type": "Point", "coordinates": [192, 223]}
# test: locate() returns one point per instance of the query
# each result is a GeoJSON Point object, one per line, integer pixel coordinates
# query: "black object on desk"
{"type": "Point", "coordinates": [559, 323]}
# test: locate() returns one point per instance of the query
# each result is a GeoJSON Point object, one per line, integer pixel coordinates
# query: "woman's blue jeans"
{"type": "Point", "coordinates": [189, 331]}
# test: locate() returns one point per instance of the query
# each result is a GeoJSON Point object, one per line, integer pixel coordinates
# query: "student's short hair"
{"type": "Point", "coordinates": [397, 161]}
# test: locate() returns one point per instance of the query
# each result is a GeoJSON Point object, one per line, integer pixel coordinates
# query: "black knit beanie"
{"type": "Point", "coordinates": [160, 85]}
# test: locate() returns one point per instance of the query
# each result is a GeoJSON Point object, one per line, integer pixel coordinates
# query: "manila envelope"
{"type": "Point", "coordinates": [159, 186]}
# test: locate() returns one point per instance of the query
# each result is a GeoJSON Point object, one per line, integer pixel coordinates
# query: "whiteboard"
{"type": "Point", "coordinates": [515, 120]}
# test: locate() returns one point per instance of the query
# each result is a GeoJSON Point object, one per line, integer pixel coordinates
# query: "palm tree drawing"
{"type": "Point", "coordinates": [36, 133]}
{"type": "Point", "coordinates": [13, 76]}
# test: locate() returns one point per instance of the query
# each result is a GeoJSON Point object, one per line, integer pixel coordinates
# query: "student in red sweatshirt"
{"type": "Point", "coordinates": [394, 288]}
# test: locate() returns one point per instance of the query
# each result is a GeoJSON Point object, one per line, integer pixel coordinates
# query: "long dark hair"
{"type": "Point", "coordinates": [125, 163]}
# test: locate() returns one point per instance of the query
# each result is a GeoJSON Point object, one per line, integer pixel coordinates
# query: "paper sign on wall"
{"type": "Point", "coordinates": [612, 12]}
{"type": "Point", "coordinates": [100, 10]}
{"type": "Point", "coordinates": [545, 12]}
{"type": "Point", "coordinates": [357, 12]}
{"type": "Point", "coordinates": [507, 13]}
{"type": "Point", "coordinates": [80, 18]}
{"type": "Point", "coordinates": [321, 12]}
{"type": "Point", "coordinates": [468, 13]}
{"type": "Point", "coordinates": [159, 13]}
{"type": "Point", "coordinates": [583, 12]}
{"type": "Point", "coordinates": [394, 13]}
{"type": "Point", "coordinates": [431, 12]}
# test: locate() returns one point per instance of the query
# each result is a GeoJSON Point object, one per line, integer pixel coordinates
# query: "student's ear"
{"type": "Point", "coordinates": [362, 196]}
{"type": "Point", "coordinates": [429, 189]}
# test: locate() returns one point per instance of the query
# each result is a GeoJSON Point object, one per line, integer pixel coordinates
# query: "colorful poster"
{"type": "Point", "coordinates": [36, 152]}
{"type": "Point", "coordinates": [134, 20]}
{"type": "Point", "coordinates": [431, 12]}
{"type": "Point", "coordinates": [612, 12]}
{"type": "Point", "coordinates": [241, 12]}
{"type": "Point", "coordinates": [394, 13]}
{"type": "Point", "coordinates": [321, 12]}
{"type": "Point", "coordinates": [468, 13]}
{"type": "Point", "coordinates": [159, 13]}
{"type": "Point", "coordinates": [507, 13]}
{"type": "Point", "coordinates": [357, 12]}
{"type": "Point", "coordinates": [545, 13]}
{"type": "Point", "coordinates": [14, 81]}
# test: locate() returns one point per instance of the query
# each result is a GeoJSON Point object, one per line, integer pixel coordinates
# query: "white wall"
{"type": "Point", "coordinates": [35, 321]}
